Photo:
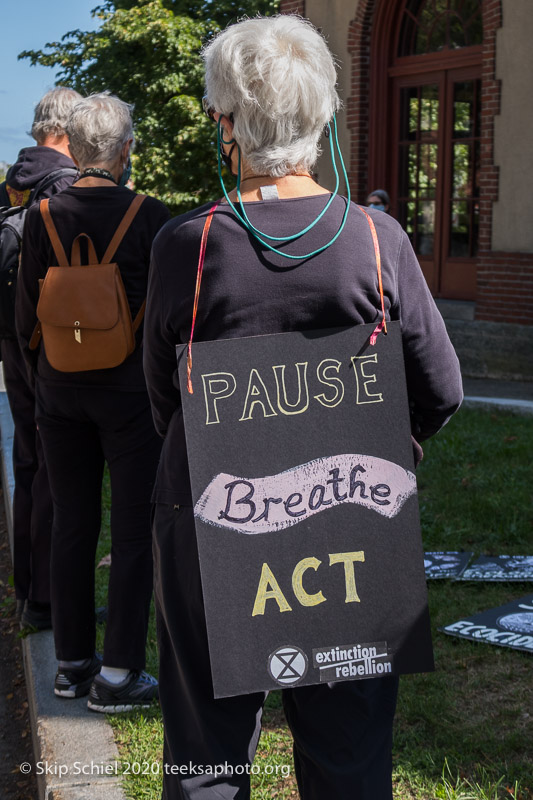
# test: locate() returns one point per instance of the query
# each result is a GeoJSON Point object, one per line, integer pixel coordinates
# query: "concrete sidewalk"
{"type": "Point", "coordinates": [77, 746]}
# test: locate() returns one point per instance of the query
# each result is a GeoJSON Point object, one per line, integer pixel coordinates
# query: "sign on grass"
{"type": "Point", "coordinates": [448, 564]}
{"type": "Point", "coordinates": [508, 626]}
{"type": "Point", "coordinates": [500, 568]}
{"type": "Point", "coordinates": [305, 509]}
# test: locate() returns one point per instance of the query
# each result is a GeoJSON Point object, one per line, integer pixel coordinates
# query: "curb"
{"type": "Point", "coordinates": [524, 407]}
{"type": "Point", "coordinates": [76, 757]}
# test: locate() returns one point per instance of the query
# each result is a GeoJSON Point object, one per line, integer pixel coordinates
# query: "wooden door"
{"type": "Point", "coordinates": [435, 174]}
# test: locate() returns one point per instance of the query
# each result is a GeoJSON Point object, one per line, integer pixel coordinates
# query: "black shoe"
{"type": "Point", "coordinates": [36, 615]}
{"type": "Point", "coordinates": [76, 682]}
{"type": "Point", "coordinates": [137, 689]}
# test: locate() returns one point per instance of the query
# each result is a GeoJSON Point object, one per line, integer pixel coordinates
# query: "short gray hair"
{"type": "Point", "coordinates": [97, 129]}
{"type": "Point", "coordinates": [277, 76]}
{"type": "Point", "coordinates": [52, 112]}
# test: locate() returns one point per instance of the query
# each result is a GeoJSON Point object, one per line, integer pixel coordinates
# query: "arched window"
{"type": "Point", "coordinates": [430, 26]}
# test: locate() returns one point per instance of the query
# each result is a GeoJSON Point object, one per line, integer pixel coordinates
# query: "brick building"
{"type": "Point", "coordinates": [438, 110]}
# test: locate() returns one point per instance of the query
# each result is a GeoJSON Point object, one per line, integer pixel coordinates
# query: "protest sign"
{"type": "Point", "coordinates": [448, 564]}
{"type": "Point", "coordinates": [305, 508]}
{"type": "Point", "coordinates": [500, 568]}
{"type": "Point", "coordinates": [507, 626]}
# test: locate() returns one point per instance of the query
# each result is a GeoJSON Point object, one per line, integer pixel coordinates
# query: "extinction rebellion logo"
{"type": "Point", "coordinates": [287, 665]}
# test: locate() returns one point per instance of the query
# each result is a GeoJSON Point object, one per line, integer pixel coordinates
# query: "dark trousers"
{"type": "Point", "coordinates": [32, 502]}
{"type": "Point", "coordinates": [342, 731]}
{"type": "Point", "coordinates": [80, 430]}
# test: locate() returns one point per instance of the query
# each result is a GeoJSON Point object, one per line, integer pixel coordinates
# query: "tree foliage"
{"type": "Point", "coordinates": [148, 53]}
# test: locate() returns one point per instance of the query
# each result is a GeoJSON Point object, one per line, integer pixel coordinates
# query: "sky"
{"type": "Point", "coordinates": [29, 25]}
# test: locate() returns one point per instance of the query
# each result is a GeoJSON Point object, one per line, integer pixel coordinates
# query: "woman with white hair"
{"type": "Point", "coordinates": [87, 418]}
{"type": "Point", "coordinates": [282, 254]}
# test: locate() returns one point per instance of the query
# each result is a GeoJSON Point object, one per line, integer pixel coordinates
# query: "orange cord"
{"type": "Point", "coordinates": [201, 259]}
{"type": "Point", "coordinates": [383, 323]}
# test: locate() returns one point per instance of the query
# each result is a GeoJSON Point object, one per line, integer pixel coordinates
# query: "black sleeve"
{"type": "Point", "coordinates": [159, 355]}
{"type": "Point", "coordinates": [432, 368]}
{"type": "Point", "coordinates": [4, 197]}
{"type": "Point", "coordinates": [34, 262]}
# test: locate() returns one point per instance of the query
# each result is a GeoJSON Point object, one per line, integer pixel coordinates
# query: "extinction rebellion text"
{"type": "Point", "coordinates": [352, 661]}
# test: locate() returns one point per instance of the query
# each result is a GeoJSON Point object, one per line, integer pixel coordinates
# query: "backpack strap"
{"type": "Point", "coordinates": [138, 317]}
{"type": "Point", "coordinates": [122, 228]}
{"type": "Point", "coordinates": [119, 234]}
{"type": "Point", "coordinates": [51, 229]}
{"type": "Point", "coordinates": [75, 255]}
{"type": "Point", "coordinates": [49, 180]}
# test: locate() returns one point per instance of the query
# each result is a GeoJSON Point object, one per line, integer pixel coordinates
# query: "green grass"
{"type": "Point", "coordinates": [464, 732]}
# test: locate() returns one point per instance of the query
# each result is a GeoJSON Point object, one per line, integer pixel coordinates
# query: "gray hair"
{"type": "Point", "coordinates": [277, 76]}
{"type": "Point", "coordinates": [52, 112]}
{"type": "Point", "coordinates": [98, 127]}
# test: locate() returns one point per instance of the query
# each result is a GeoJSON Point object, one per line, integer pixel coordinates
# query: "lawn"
{"type": "Point", "coordinates": [465, 731]}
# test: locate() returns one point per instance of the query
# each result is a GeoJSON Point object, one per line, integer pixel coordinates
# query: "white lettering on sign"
{"type": "Point", "coordinates": [262, 397]}
{"type": "Point", "coordinates": [352, 661]}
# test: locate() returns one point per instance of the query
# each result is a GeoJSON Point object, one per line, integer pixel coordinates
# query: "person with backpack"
{"type": "Point", "coordinates": [90, 247]}
{"type": "Point", "coordinates": [39, 172]}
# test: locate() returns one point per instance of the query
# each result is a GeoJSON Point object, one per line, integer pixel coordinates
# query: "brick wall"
{"type": "Point", "coordinates": [292, 7]}
{"type": "Point", "coordinates": [504, 280]}
{"type": "Point", "coordinates": [505, 287]}
{"type": "Point", "coordinates": [357, 105]}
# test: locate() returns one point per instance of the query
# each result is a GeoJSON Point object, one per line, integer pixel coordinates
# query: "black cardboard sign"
{"type": "Point", "coordinates": [306, 509]}
{"type": "Point", "coordinates": [449, 564]}
{"type": "Point", "coordinates": [500, 568]}
{"type": "Point", "coordinates": [507, 626]}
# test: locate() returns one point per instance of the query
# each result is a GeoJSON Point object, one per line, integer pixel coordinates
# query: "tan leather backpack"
{"type": "Point", "coordinates": [83, 311]}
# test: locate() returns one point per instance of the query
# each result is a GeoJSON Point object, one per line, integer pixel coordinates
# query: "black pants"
{"type": "Point", "coordinates": [80, 430]}
{"type": "Point", "coordinates": [342, 731]}
{"type": "Point", "coordinates": [32, 502]}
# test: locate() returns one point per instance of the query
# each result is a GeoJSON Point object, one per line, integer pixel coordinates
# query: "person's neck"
{"type": "Point", "coordinates": [59, 143]}
{"type": "Point", "coordinates": [297, 185]}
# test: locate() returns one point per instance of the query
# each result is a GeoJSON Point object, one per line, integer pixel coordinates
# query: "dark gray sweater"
{"type": "Point", "coordinates": [247, 290]}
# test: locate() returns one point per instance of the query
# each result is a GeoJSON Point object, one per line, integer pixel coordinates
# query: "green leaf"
{"type": "Point", "coordinates": [148, 53]}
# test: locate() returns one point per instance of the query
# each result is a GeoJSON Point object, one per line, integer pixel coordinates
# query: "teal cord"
{"type": "Point", "coordinates": [312, 224]}
{"type": "Point", "coordinates": [255, 232]}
